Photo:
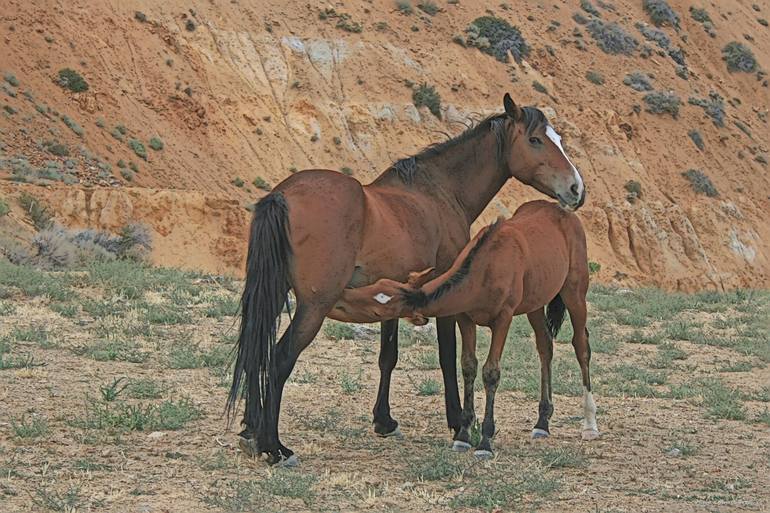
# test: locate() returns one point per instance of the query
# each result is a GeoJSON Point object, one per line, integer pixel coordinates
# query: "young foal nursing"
{"type": "Point", "coordinates": [516, 266]}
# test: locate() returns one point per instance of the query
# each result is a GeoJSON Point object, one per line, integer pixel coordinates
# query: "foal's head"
{"type": "Point", "coordinates": [537, 158]}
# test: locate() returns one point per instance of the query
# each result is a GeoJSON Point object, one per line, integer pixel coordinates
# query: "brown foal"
{"type": "Point", "coordinates": [517, 266]}
{"type": "Point", "coordinates": [320, 233]}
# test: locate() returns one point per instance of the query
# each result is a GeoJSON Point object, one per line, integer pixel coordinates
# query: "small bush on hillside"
{"type": "Point", "coordinates": [701, 183]}
{"type": "Point", "coordinates": [4, 208]}
{"type": "Point", "coordinates": [138, 148]}
{"type": "Point", "coordinates": [595, 77]}
{"type": "Point", "coordinates": [697, 139]}
{"type": "Point", "coordinates": [404, 7]}
{"type": "Point", "coordinates": [260, 183]}
{"type": "Point", "coordinates": [73, 125]}
{"type": "Point", "coordinates": [699, 14]}
{"type": "Point", "coordinates": [140, 16]}
{"type": "Point", "coordinates": [634, 190]}
{"type": "Point", "coordinates": [612, 38]}
{"type": "Point", "coordinates": [72, 80]}
{"type": "Point", "coordinates": [638, 81]}
{"type": "Point", "coordinates": [426, 95]}
{"type": "Point", "coordinates": [238, 182]}
{"type": "Point", "coordinates": [11, 79]}
{"type": "Point", "coordinates": [190, 25]}
{"type": "Point", "coordinates": [658, 37]}
{"type": "Point", "coordinates": [344, 20]}
{"type": "Point", "coordinates": [589, 8]}
{"type": "Point", "coordinates": [661, 13]}
{"type": "Point", "coordinates": [663, 101]}
{"type": "Point", "coordinates": [739, 58]}
{"type": "Point", "coordinates": [714, 107]}
{"type": "Point", "coordinates": [36, 210]}
{"type": "Point", "coordinates": [579, 18]}
{"type": "Point", "coordinates": [56, 148]}
{"type": "Point", "coordinates": [498, 38]}
{"type": "Point", "coordinates": [156, 144]}
{"type": "Point", "coordinates": [428, 7]}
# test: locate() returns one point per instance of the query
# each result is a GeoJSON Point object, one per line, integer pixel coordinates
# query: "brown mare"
{"type": "Point", "coordinates": [517, 266]}
{"type": "Point", "coordinates": [320, 232]}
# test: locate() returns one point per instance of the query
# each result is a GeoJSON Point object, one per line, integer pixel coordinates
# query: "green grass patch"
{"type": "Point", "coordinates": [428, 387]}
{"type": "Point", "coordinates": [32, 428]}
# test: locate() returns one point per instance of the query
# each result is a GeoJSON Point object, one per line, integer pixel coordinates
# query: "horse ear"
{"type": "Point", "coordinates": [418, 279]}
{"type": "Point", "coordinates": [513, 110]}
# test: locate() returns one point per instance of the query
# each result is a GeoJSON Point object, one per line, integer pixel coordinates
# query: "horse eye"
{"type": "Point", "coordinates": [535, 141]}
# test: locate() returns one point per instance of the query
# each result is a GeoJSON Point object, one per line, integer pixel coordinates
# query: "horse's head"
{"type": "Point", "coordinates": [537, 158]}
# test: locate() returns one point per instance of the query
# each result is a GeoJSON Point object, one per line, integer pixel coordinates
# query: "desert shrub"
{"type": "Point", "coordinates": [189, 25]}
{"type": "Point", "coordinates": [260, 183]}
{"type": "Point", "coordinates": [238, 182]}
{"type": "Point", "coordinates": [589, 8]}
{"type": "Point", "coordinates": [540, 88]}
{"type": "Point", "coordinates": [428, 7]}
{"type": "Point", "coordinates": [345, 170]}
{"type": "Point", "coordinates": [661, 13]}
{"type": "Point", "coordinates": [156, 144]}
{"type": "Point", "coordinates": [4, 208]}
{"type": "Point", "coordinates": [739, 58]}
{"type": "Point", "coordinates": [56, 148]}
{"type": "Point", "coordinates": [634, 190]}
{"type": "Point", "coordinates": [426, 95]}
{"type": "Point", "coordinates": [72, 80]}
{"type": "Point", "coordinates": [611, 37]}
{"type": "Point", "coordinates": [36, 210]}
{"type": "Point", "coordinates": [138, 148]}
{"type": "Point", "coordinates": [344, 20]}
{"type": "Point", "coordinates": [140, 16]}
{"type": "Point", "coordinates": [579, 18]}
{"type": "Point", "coordinates": [404, 7]}
{"type": "Point", "coordinates": [714, 107]}
{"type": "Point", "coordinates": [659, 102]}
{"type": "Point", "coordinates": [595, 77]}
{"type": "Point", "coordinates": [697, 139]}
{"type": "Point", "coordinates": [700, 182]}
{"type": "Point", "coordinates": [638, 81]}
{"type": "Point", "coordinates": [11, 79]}
{"type": "Point", "coordinates": [699, 14]}
{"type": "Point", "coordinates": [73, 125]}
{"type": "Point", "coordinates": [677, 55]}
{"type": "Point", "coordinates": [497, 37]}
{"type": "Point", "coordinates": [654, 35]}
{"type": "Point", "coordinates": [127, 174]}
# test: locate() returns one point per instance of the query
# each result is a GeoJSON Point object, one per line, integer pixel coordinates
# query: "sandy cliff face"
{"type": "Point", "coordinates": [258, 89]}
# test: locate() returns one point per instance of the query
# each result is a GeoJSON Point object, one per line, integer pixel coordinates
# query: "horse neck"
{"type": "Point", "coordinates": [468, 173]}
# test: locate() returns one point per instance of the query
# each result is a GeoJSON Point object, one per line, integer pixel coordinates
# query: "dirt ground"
{"type": "Point", "coordinates": [682, 393]}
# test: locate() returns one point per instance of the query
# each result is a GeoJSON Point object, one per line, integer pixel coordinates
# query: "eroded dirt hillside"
{"type": "Point", "coordinates": [244, 91]}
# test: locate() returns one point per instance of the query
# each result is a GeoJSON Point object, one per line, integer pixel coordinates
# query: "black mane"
{"type": "Point", "coordinates": [407, 167]}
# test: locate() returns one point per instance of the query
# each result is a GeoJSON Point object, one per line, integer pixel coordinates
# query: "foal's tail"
{"type": "Point", "coordinates": [265, 293]}
{"type": "Point", "coordinates": [554, 315]}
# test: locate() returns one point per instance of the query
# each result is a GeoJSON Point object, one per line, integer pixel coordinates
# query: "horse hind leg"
{"type": "Point", "coordinates": [544, 343]}
{"type": "Point", "coordinates": [491, 376]}
{"type": "Point", "coordinates": [469, 363]}
{"type": "Point", "coordinates": [576, 305]}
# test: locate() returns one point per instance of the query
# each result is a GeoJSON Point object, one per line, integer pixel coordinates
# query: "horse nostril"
{"type": "Point", "coordinates": [574, 189]}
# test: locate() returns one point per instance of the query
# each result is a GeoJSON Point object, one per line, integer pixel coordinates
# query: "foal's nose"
{"type": "Point", "coordinates": [574, 189]}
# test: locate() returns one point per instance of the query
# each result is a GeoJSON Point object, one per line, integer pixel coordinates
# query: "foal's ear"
{"type": "Point", "coordinates": [513, 110]}
{"type": "Point", "coordinates": [418, 279]}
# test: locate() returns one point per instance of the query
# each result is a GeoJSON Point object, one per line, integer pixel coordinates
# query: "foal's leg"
{"type": "Point", "coordinates": [544, 343]}
{"type": "Point", "coordinates": [575, 302]}
{"type": "Point", "coordinates": [469, 365]}
{"type": "Point", "coordinates": [447, 353]}
{"type": "Point", "coordinates": [491, 376]}
{"type": "Point", "coordinates": [384, 424]}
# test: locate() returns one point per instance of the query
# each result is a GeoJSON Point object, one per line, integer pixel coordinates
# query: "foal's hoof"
{"type": "Point", "coordinates": [460, 446]}
{"type": "Point", "coordinates": [540, 433]}
{"type": "Point", "coordinates": [483, 454]}
{"type": "Point", "coordinates": [290, 462]}
{"type": "Point", "coordinates": [590, 434]}
{"type": "Point", "coordinates": [249, 447]}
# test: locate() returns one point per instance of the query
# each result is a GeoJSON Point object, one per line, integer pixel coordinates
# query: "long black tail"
{"type": "Point", "coordinates": [265, 293]}
{"type": "Point", "coordinates": [554, 315]}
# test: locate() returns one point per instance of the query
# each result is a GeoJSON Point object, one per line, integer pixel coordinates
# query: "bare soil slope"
{"type": "Point", "coordinates": [245, 90]}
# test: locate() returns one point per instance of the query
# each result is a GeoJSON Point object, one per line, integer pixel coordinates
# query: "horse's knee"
{"type": "Point", "coordinates": [491, 377]}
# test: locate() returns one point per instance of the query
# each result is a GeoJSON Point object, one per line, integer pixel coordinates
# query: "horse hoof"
{"type": "Point", "coordinates": [590, 434]}
{"type": "Point", "coordinates": [540, 433]}
{"type": "Point", "coordinates": [249, 447]}
{"type": "Point", "coordinates": [396, 433]}
{"type": "Point", "coordinates": [483, 454]}
{"type": "Point", "coordinates": [290, 462]}
{"type": "Point", "coordinates": [460, 446]}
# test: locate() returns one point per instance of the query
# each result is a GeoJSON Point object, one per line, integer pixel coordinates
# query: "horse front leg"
{"type": "Point", "coordinates": [447, 353]}
{"type": "Point", "coordinates": [384, 424]}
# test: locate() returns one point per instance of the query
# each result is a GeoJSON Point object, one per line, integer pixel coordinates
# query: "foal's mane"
{"type": "Point", "coordinates": [407, 167]}
{"type": "Point", "coordinates": [419, 299]}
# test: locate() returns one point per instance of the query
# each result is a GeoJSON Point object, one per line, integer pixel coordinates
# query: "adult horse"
{"type": "Point", "coordinates": [320, 232]}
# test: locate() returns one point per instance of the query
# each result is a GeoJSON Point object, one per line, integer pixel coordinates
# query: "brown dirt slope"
{"type": "Point", "coordinates": [257, 89]}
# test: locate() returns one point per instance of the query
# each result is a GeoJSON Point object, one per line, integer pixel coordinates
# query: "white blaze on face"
{"type": "Point", "coordinates": [382, 299]}
{"type": "Point", "coordinates": [556, 139]}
